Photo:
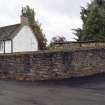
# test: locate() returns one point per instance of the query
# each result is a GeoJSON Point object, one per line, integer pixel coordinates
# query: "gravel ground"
{"type": "Point", "coordinates": [84, 91]}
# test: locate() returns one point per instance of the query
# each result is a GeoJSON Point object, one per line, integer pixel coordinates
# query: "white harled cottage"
{"type": "Point", "coordinates": [18, 38]}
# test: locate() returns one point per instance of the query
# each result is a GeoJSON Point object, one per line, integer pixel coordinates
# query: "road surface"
{"type": "Point", "coordinates": [85, 91]}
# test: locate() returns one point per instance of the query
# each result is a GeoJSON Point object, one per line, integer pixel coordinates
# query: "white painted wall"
{"type": "Point", "coordinates": [25, 40]}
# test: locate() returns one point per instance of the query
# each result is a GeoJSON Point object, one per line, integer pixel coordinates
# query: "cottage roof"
{"type": "Point", "coordinates": [8, 32]}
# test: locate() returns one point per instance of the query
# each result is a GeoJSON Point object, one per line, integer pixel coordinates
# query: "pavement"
{"type": "Point", "coordinates": [78, 91]}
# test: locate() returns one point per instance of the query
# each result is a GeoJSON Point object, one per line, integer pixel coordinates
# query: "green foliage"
{"type": "Point", "coordinates": [36, 27]}
{"type": "Point", "coordinates": [93, 18]}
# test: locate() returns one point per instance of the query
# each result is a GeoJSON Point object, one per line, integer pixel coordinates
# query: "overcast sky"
{"type": "Point", "coordinates": [58, 17]}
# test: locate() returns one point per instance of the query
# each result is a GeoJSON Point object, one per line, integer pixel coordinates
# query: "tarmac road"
{"type": "Point", "coordinates": [84, 91]}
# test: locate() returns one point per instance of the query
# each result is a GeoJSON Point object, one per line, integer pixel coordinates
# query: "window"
{"type": "Point", "coordinates": [1, 45]}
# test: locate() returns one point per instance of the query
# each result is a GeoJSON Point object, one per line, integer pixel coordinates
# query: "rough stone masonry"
{"type": "Point", "coordinates": [49, 65]}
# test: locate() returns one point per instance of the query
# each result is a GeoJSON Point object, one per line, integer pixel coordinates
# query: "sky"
{"type": "Point", "coordinates": [57, 17]}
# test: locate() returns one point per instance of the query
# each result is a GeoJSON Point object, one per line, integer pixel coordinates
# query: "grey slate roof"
{"type": "Point", "coordinates": [7, 32]}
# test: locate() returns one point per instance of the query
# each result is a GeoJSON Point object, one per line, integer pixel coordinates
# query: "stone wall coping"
{"type": "Point", "coordinates": [51, 51]}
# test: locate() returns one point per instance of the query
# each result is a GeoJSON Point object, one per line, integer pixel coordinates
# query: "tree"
{"type": "Point", "coordinates": [36, 27]}
{"type": "Point", "coordinates": [57, 39]}
{"type": "Point", "coordinates": [93, 17]}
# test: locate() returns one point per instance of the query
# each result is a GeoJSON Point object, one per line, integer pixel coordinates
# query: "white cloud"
{"type": "Point", "coordinates": [61, 25]}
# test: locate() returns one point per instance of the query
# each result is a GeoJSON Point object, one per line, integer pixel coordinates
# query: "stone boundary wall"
{"type": "Point", "coordinates": [49, 65]}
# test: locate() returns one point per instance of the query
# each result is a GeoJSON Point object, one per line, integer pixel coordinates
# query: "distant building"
{"type": "Point", "coordinates": [77, 45]}
{"type": "Point", "coordinates": [18, 38]}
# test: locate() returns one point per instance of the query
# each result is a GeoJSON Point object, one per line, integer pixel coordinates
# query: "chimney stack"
{"type": "Point", "coordinates": [24, 20]}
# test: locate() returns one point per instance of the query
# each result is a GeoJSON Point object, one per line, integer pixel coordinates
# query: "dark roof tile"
{"type": "Point", "coordinates": [6, 32]}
